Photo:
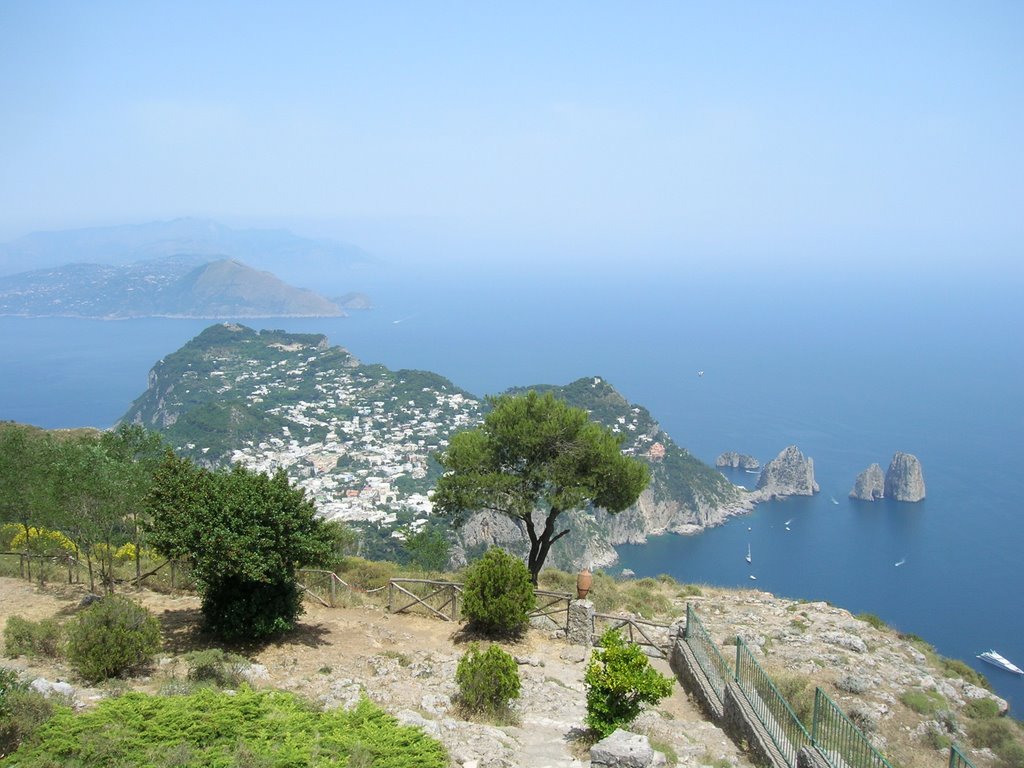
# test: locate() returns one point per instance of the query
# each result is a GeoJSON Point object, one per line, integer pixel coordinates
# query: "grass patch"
{"type": "Point", "coordinates": [955, 668]}
{"type": "Point", "coordinates": [873, 620]}
{"type": "Point", "coordinates": [211, 728]}
{"type": "Point", "coordinates": [404, 660]}
{"type": "Point", "coordinates": [924, 702]}
{"type": "Point", "coordinates": [658, 745]}
{"type": "Point", "coordinates": [981, 709]}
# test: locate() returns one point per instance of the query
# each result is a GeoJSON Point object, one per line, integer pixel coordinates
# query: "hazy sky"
{"type": "Point", "coordinates": [844, 130]}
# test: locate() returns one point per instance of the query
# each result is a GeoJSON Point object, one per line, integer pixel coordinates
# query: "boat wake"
{"type": "Point", "coordinates": [898, 563]}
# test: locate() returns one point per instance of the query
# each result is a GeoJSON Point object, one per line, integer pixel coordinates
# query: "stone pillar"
{"type": "Point", "coordinates": [580, 628]}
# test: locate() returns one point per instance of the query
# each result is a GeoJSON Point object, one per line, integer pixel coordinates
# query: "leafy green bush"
{"type": "Point", "coordinates": [22, 711]}
{"type": "Point", "coordinates": [112, 636]}
{"type": "Point", "coordinates": [955, 668]}
{"type": "Point", "coordinates": [498, 594]}
{"type": "Point", "coordinates": [250, 728]}
{"type": "Point", "coordinates": [488, 681]}
{"type": "Point", "coordinates": [924, 702]}
{"type": "Point", "coordinates": [23, 637]}
{"type": "Point", "coordinates": [619, 681]}
{"type": "Point", "coordinates": [212, 665]}
{"type": "Point", "coordinates": [994, 733]}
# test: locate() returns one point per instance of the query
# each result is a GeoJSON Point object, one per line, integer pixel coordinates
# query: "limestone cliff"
{"type": "Point", "coordinates": [788, 474]}
{"type": "Point", "coordinates": [904, 480]}
{"type": "Point", "coordinates": [869, 485]}
{"type": "Point", "coordinates": [737, 461]}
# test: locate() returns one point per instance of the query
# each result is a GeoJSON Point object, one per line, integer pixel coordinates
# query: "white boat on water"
{"type": "Point", "coordinates": [749, 559]}
{"type": "Point", "coordinates": [1000, 661]}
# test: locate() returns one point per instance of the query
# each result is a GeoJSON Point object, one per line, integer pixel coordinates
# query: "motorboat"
{"type": "Point", "coordinates": [749, 558]}
{"type": "Point", "coordinates": [1000, 661]}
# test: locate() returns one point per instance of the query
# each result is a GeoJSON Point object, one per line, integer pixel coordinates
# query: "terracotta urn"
{"type": "Point", "coordinates": [583, 583]}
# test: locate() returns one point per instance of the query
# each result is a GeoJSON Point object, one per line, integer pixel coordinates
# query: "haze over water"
{"type": "Point", "coordinates": [848, 374]}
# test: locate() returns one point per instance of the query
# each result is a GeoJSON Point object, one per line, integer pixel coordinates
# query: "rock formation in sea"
{"type": "Point", "coordinates": [737, 461]}
{"type": "Point", "coordinates": [904, 480]}
{"type": "Point", "coordinates": [869, 485]}
{"type": "Point", "coordinates": [788, 474]}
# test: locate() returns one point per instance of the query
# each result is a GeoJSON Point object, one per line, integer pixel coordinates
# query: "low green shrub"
{"type": "Point", "coordinates": [22, 711]}
{"type": "Point", "coordinates": [691, 590]}
{"type": "Point", "coordinates": [23, 637]}
{"type": "Point", "coordinates": [488, 681]}
{"type": "Point", "coordinates": [213, 665]}
{"type": "Point", "coordinates": [249, 728]}
{"type": "Point", "coordinates": [498, 594]}
{"type": "Point", "coordinates": [619, 681]}
{"type": "Point", "coordinates": [994, 733]}
{"type": "Point", "coordinates": [111, 637]}
{"type": "Point", "coordinates": [367, 574]}
{"type": "Point", "coordinates": [1011, 755]}
{"type": "Point", "coordinates": [957, 669]}
{"type": "Point", "coordinates": [981, 709]}
{"type": "Point", "coordinates": [924, 702]}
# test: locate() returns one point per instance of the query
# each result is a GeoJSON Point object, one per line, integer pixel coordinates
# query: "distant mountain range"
{"type": "Point", "coordinates": [177, 286]}
{"type": "Point", "coordinates": [179, 268]}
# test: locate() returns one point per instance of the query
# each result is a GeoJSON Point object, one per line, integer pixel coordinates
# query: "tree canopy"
{"type": "Point", "coordinates": [532, 454]}
{"type": "Point", "coordinates": [243, 533]}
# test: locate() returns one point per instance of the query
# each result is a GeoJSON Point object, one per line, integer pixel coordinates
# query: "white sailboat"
{"type": "Point", "coordinates": [749, 558]}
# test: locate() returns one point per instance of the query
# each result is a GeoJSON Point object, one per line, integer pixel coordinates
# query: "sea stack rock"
{"type": "Point", "coordinates": [788, 474]}
{"type": "Point", "coordinates": [737, 461]}
{"type": "Point", "coordinates": [870, 484]}
{"type": "Point", "coordinates": [904, 480]}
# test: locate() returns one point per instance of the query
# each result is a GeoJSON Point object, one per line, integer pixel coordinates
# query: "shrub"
{"type": "Point", "coordinates": [214, 666]}
{"type": "Point", "coordinates": [994, 733]}
{"type": "Point", "coordinates": [22, 711]}
{"type": "Point", "coordinates": [798, 690]}
{"type": "Point", "coordinates": [488, 681]}
{"type": "Point", "coordinates": [110, 637]}
{"type": "Point", "coordinates": [981, 709]}
{"type": "Point", "coordinates": [955, 668]}
{"type": "Point", "coordinates": [23, 637]}
{"type": "Point", "coordinates": [498, 594]}
{"type": "Point", "coordinates": [619, 681]}
{"type": "Point", "coordinates": [924, 702]}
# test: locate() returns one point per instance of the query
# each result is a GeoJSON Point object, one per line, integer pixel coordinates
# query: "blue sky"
{"type": "Point", "coordinates": [859, 132]}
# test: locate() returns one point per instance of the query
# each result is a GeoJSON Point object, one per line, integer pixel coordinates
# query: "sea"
{"type": "Point", "coordinates": [849, 367]}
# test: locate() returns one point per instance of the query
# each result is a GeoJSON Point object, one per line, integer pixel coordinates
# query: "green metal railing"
{"type": "Point", "coordinates": [958, 759]}
{"type": "Point", "coordinates": [839, 740]}
{"type": "Point", "coordinates": [706, 652]}
{"type": "Point", "coordinates": [771, 708]}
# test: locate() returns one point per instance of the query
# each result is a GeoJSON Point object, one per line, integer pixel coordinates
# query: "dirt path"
{"type": "Point", "coordinates": [406, 663]}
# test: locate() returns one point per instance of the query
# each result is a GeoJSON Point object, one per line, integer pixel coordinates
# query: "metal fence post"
{"type": "Point", "coordinates": [736, 671]}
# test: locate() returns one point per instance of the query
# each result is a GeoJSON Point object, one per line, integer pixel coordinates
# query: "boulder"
{"type": "Point", "coordinates": [869, 485]}
{"type": "Point", "coordinates": [904, 480]}
{"type": "Point", "coordinates": [788, 474]}
{"type": "Point", "coordinates": [625, 750]}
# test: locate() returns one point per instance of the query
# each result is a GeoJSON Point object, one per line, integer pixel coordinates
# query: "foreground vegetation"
{"type": "Point", "coordinates": [211, 728]}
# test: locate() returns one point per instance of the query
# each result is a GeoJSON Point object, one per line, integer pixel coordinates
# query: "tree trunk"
{"type": "Point", "coordinates": [541, 545]}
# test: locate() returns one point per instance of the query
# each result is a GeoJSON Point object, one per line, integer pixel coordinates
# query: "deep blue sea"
{"type": "Point", "coordinates": [850, 370]}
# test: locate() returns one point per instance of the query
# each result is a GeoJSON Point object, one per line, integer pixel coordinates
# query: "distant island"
{"type": "Point", "coordinates": [190, 268]}
{"type": "Point", "coordinates": [176, 286]}
{"type": "Point", "coordinates": [358, 438]}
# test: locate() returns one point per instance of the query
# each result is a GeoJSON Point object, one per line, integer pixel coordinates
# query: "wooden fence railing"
{"type": "Point", "coordinates": [438, 598]}
{"type": "Point", "coordinates": [639, 632]}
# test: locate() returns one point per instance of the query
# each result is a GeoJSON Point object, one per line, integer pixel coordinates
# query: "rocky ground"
{"type": "Point", "coordinates": [405, 663]}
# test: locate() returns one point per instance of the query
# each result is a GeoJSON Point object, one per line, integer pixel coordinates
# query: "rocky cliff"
{"type": "Point", "coordinates": [737, 461]}
{"type": "Point", "coordinates": [788, 474]}
{"type": "Point", "coordinates": [904, 480]}
{"type": "Point", "coordinates": [869, 485]}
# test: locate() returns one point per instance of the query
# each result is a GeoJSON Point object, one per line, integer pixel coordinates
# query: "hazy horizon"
{"type": "Point", "coordinates": [831, 136]}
